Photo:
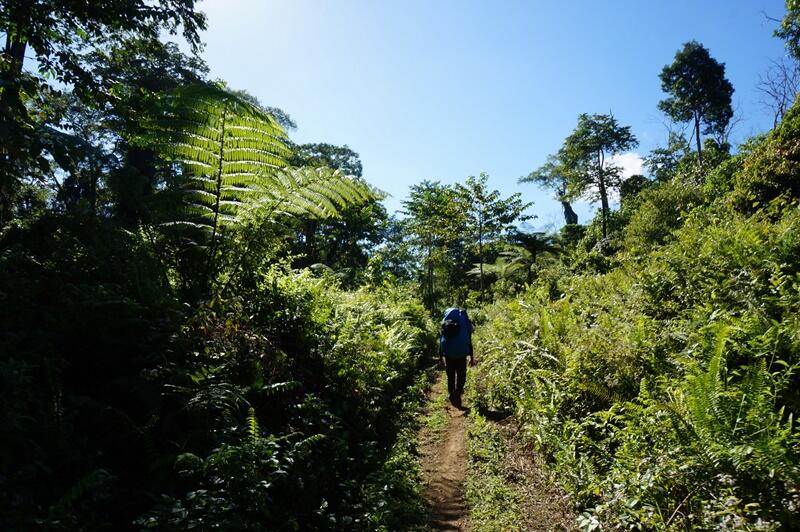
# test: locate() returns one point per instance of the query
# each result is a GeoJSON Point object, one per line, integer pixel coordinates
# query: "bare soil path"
{"type": "Point", "coordinates": [444, 460]}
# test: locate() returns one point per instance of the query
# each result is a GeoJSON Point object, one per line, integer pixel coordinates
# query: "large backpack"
{"type": "Point", "coordinates": [451, 325]}
{"type": "Point", "coordinates": [455, 333]}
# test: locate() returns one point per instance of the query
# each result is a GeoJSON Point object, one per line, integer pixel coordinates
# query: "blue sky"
{"type": "Point", "coordinates": [445, 89]}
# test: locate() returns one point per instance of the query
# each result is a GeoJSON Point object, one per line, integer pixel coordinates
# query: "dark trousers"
{"type": "Point", "coordinates": [456, 374]}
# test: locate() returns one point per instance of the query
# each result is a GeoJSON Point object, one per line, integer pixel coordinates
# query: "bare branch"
{"type": "Point", "coordinates": [779, 86]}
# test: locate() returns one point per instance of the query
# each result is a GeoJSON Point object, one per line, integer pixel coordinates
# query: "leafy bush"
{"type": "Point", "coordinates": [665, 390]}
{"type": "Point", "coordinates": [288, 405]}
{"type": "Point", "coordinates": [660, 210]}
{"type": "Point", "coordinates": [774, 167]}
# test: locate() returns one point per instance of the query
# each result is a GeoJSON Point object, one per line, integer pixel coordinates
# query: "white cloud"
{"type": "Point", "coordinates": [631, 163]}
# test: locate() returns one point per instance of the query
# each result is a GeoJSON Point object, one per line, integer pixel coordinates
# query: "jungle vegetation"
{"type": "Point", "coordinates": [204, 324]}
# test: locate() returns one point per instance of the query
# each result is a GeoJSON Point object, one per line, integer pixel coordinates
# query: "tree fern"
{"type": "Point", "coordinates": [225, 146]}
{"type": "Point", "coordinates": [231, 155]}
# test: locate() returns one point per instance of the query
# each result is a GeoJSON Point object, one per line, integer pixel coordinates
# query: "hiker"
{"type": "Point", "coordinates": [455, 344]}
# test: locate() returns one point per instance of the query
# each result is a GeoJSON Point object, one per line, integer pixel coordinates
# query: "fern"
{"type": "Point", "coordinates": [232, 158]}
{"type": "Point", "coordinates": [252, 425]}
{"type": "Point", "coordinates": [308, 192]}
{"type": "Point", "coordinates": [305, 192]}
{"type": "Point", "coordinates": [704, 389]}
{"type": "Point", "coordinates": [279, 388]}
{"type": "Point", "coordinates": [225, 146]}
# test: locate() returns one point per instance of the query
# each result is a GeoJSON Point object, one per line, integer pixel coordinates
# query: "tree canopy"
{"type": "Point", "coordinates": [698, 92]}
{"type": "Point", "coordinates": [583, 165]}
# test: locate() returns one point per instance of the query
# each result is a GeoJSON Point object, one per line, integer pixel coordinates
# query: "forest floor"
{"type": "Point", "coordinates": [479, 476]}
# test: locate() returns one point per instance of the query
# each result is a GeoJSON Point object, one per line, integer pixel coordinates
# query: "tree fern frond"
{"type": "Point", "coordinates": [310, 192]}
{"type": "Point", "coordinates": [252, 425]}
{"type": "Point", "coordinates": [225, 145]}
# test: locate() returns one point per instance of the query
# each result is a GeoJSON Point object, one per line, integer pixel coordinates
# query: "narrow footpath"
{"type": "Point", "coordinates": [480, 476]}
{"type": "Point", "coordinates": [444, 460]}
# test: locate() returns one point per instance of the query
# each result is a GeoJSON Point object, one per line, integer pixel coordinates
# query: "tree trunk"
{"type": "Point", "coordinates": [11, 70]}
{"type": "Point", "coordinates": [480, 250]}
{"type": "Point", "coordinates": [13, 55]}
{"type": "Point", "coordinates": [601, 185]}
{"type": "Point", "coordinates": [570, 216]}
{"type": "Point", "coordinates": [604, 206]}
{"type": "Point", "coordinates": [697, 139]}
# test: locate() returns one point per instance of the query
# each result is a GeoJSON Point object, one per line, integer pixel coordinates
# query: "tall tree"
{"type": "Point", "coordinates": [488, 215]}
{"type": "Point", "coordinates": [585, 159]}
{"type": "Point", "coordinates": [436, 222]}
{"type": "Point", "coordinates": [553, 175]}
{"type": "Point", "coordinates": [789, 30]}
{"type": "Point", "coordinates": [58, 34]}
{"type": "Point", "coordinates": [396, 251]}
{"type": "Point", "coordinates": [341, 158]}
{"type": "Point", "coordinates": [698, 92]}
{"type": "Point", "coordinates": [343, 242]}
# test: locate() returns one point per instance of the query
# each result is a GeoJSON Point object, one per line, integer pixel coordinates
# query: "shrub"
{"type": "Point", "coordinates": [664, 391]}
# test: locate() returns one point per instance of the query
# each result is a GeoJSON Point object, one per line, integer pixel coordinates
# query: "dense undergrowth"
{"type": "Point", "coordinates": [658, 369]}
{"type": "Point", "coordinates": [286, 407]}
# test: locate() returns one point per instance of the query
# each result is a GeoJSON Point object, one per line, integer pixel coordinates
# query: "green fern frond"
{"type": "Point", "coordinates": [225, 145]}
{"type": "Point", "coordinates": [602, 392]}
{"type": "Point", "coordinates": [305, 446]}
{"type": "Point", "coordinates": [252, 425]}
{"type": "Point", "coordinates": [310, 192]}
{"type": "Point", "coordinates": [703, 390]}
{"type": "Point", "coordinates": [226, 148]}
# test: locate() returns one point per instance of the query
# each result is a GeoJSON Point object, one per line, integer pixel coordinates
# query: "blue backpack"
{"type": "Point", "coordinates": [455, 338]}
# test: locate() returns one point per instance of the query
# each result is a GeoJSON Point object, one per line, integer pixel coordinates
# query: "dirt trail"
{"type": "Point", "coordinates": [444, 463]}
{"type": "Point", "coordinates": [542, 505]}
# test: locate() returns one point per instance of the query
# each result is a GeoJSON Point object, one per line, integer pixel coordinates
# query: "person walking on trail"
{"type": "Point", "coordinates": [455, 345]}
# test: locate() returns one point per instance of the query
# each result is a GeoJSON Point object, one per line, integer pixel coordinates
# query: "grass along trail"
{"type": "Point", "coordinates": [506, 488]}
